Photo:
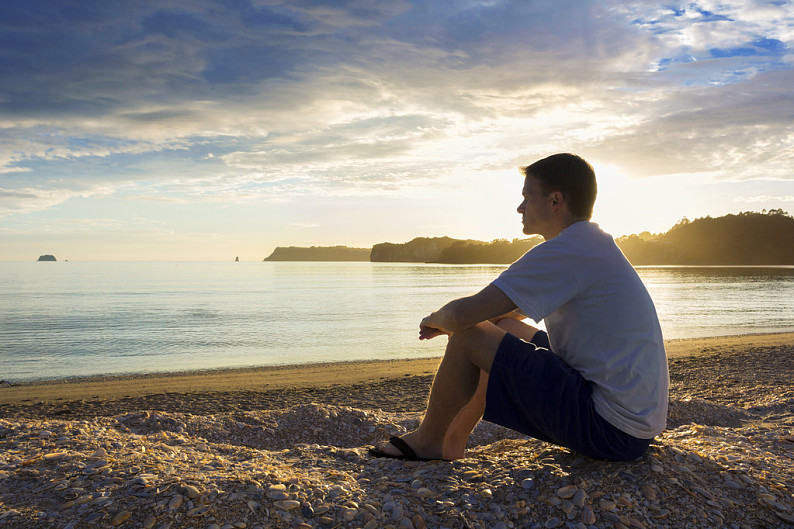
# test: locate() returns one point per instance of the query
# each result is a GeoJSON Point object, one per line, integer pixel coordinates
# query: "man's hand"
{"type": "Point", "coordinates": [428, 333]}
{"type": "Point", "coordinates": [429, 327]}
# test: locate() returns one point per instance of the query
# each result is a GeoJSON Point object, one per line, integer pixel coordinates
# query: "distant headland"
{"type": "Point", "coordinates": [319, 253]}
{"type": "Point", "coordinates": [747, 238]}
{"type": "Point", "coordinates": [453, 251]}
{"type": "Point", "coordinates": [46, 257]}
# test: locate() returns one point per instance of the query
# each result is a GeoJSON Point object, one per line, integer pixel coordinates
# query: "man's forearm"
{"type": "Point", "coordinates": [448, 317]}
{"type": "Point", "coordinates": [466, 312]}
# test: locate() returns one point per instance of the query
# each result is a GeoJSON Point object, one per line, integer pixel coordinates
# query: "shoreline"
{"type": "Point", "coordinates": [268, 378]}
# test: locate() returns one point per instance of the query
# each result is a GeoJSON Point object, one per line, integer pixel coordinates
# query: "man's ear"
{"type": "Point", "coordinates": [557, 198]}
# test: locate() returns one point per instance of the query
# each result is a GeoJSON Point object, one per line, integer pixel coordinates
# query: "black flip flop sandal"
{"type": "Point", "coordinates": [406, 452]}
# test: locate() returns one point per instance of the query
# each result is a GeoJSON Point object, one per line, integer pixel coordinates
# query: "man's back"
{"type": "Point", "coordinates": [600, 320]}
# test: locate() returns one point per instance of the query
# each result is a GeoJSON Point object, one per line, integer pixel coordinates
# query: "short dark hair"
{"type": "Point", "coordinates": [572, 176]}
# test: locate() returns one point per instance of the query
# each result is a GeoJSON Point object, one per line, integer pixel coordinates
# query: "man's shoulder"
{"type": "Point", "coordinates": [582, 244]}
{"type": "Point", "coordinates": [585, 228]}
{"type": "Point", "coordinates": [579, 238]}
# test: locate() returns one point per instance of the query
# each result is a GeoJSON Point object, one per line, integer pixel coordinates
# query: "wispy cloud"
{"type": "Point", "coordinates": [763, 199]}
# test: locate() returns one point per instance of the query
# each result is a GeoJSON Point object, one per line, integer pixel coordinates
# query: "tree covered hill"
{"type": "Point", "coordinates": [748, 238]}
{"type": "Point", "coordinates": [453, 251]}
{"type": "Point", "coordinates": [418, 250]}
{"type": "Point", "coordinates": [319, 253]}
{"type": "Point", "coordinates": [499, 251]}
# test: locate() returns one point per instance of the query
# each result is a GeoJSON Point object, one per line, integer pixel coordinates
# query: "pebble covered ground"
{"type": "Point", "coordinates": [298, 459]}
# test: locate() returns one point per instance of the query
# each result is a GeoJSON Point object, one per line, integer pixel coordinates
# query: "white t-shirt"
{"type": "Point", "coordinates": [601, 321]}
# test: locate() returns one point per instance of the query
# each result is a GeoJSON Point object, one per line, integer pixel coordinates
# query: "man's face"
{"type": "Point", "coordinates": [535, 209]}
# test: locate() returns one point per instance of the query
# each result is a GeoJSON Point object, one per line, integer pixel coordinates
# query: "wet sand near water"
{"type": "Point", "coordinates": [308, 379]}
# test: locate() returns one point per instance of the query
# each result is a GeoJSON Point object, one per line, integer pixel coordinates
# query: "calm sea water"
{"type": "Point", "coordinates": [66, 319]}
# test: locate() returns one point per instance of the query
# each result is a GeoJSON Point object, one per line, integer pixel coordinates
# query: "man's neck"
{"type": "Point", "coordinates": [562, 225]}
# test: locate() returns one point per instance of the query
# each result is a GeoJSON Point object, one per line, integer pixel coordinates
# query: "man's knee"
{"type": "Point", "coordinates": [470, 337]}
{"type": "Point", "coordinates": [478, 344]}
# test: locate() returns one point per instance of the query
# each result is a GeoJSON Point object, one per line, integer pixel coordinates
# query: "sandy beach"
{"type": "Point", "coordinates": [286, 447]}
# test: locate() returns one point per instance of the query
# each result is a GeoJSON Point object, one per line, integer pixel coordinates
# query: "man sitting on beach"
{"type": "Point", "coordinates": [596, 383]}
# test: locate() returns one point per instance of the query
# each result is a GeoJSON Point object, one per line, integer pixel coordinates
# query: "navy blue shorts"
{"type": "Point", "coordinates": [533, 391]}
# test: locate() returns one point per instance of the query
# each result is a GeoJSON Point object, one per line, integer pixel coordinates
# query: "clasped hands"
{"type": "Point", "coordinates": [433, 325]}
{"type": "Point", "coordinates": [430, 327]}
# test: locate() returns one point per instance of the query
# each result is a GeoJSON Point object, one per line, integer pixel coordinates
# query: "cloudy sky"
{"type": "Point", "coordinates": [205, 130]}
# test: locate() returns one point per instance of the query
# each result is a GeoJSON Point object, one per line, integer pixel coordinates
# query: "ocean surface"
{"type": "Point", "coordinates": [70, 319]}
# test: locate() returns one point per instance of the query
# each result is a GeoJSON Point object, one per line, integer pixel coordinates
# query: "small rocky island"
{"type": "Point", "coordinates": [47, 257]}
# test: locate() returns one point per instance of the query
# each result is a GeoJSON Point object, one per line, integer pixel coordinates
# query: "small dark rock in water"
{"type": "Point", "coordinates": [47, 257]}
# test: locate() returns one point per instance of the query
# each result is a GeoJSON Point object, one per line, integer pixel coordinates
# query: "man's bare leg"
{"type": "Point", "coordinates": [464, 422]}
{"type": "Point", "coordinates": [468, 353]}
{"type": "Point", "coordinates": [518, 328]}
